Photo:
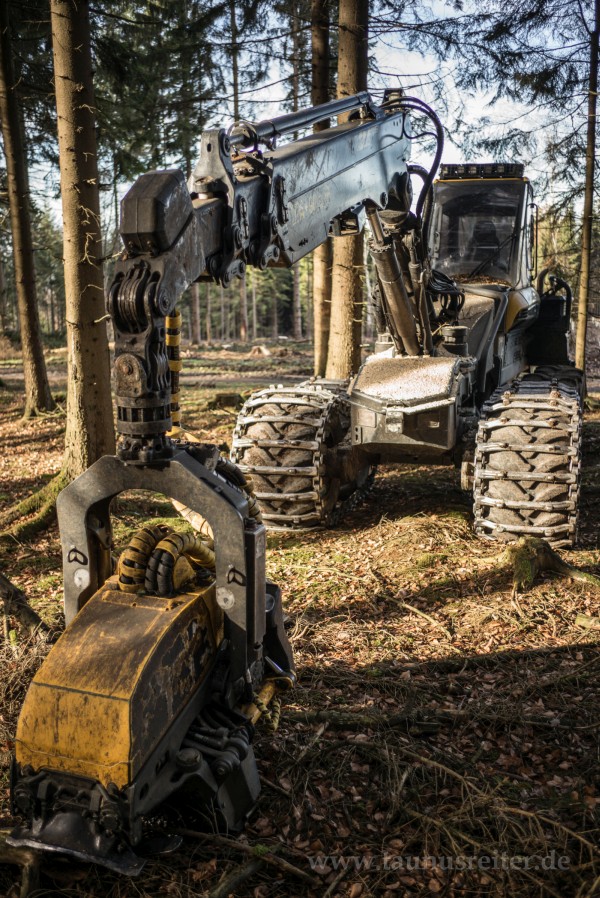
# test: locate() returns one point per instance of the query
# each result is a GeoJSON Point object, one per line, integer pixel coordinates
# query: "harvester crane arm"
{"type": "Point", "coordinates": [249, 201]}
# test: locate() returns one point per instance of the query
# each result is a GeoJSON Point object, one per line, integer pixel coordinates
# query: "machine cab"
{"type": "Point", "coordinates": [479, 226]}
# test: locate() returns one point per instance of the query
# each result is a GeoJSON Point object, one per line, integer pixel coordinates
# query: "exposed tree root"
{"type": "Point", "coordinates": [17, 606]}
{"type": "Point", "coordinates": [39, 510]}
{"type": "Point", "coordinates": [530, 556]}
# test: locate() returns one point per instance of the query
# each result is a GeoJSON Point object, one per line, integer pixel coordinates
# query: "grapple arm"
{"type": "Point", "coordinates": [248, 202]}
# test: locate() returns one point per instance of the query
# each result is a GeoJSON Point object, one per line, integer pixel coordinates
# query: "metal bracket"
{"type": "Point", "coordinates": [84, 520]}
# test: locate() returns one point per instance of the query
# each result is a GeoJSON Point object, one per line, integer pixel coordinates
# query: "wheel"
{"type": "Point", "coordinates": [527, 458]}
{"type": "Point", "coordinates": [295, 445]}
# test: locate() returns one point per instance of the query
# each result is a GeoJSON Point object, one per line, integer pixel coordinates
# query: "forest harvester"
{"type": "Point", "coordinates": [470, 368]}
{"type": "Point", "coordinates": [172, 652]}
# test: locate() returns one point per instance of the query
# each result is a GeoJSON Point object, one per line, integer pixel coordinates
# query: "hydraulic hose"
{"type": "Point", "coordinates": [419, 106]}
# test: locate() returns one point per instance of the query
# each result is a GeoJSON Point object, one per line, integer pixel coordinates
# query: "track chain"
{"type": "Point", "coordinates": [527, 458]}
{"type": "Point", "coordinates": [292, 442]}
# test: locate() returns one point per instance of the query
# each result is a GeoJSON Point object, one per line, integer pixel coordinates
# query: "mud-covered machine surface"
{"type": "Point", "coordinates": [150, 697]}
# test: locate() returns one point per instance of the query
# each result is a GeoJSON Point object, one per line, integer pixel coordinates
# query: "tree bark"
{"type": "Point", "coordinates": [274, 318]}
{"type": "Point", "coordinates": [588, 201]}
{"type": "Point", "coordinates": [90, 431]}
{"type": "Point", "coordinates": [254, 309]}
{"type": "Point", "coordinates": [37, 389]}
{"type": "Point", "coordinates": [343, 357]}
{"type": "Point", "coordinates": [309, 300]}
{"type": "Point", "coordinates": [235, 77]}
{"type": "Point", "coordinates": [243, 311]}
{"type": "Point", "coordinates": [322, 304]}
{"type": "Point", "coordinates": [208, 315]}
{"type": "Point", "coordinates": [195, 307]}
{"type": "Point", "coordinates": [295, 60]}
{"type": "Point", "coordinates": [223, 319]}
{"type": "Point", "coordinates": [3, 297]}
{"type": "Point", "coordinates": [322, 255]}
{"type": "Point", "coordinates": [297, 307]}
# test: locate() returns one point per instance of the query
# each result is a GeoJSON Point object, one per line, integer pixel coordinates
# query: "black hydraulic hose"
{"type": "Point", "coordinates": [540, 280]}
{"type": "Point", "coordinates": [420, 106]}
{"type": "Point", "coordinates": [556, 283]}
{"type": "Point", "coordinates": [421, 171]}
{"type": "Point", "coordinates": [427, 210]}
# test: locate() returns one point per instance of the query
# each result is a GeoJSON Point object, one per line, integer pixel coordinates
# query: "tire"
{"type": "Point", "coordinates": [294, 443]}
{"type": "Point", "coordinates": [527, 458]}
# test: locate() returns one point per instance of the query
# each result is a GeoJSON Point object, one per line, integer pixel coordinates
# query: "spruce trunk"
{"type": "Point", "coordinates": [346, 288]}
{"type": "Point", "coordinates": [321, 304]}
{"type": "Point", "coordinates": [89, 432]}
{"type": "Point", "coordinates": [588, 201]}
{"type": "Point", "coordinates": [322, 255]}
{"type": "Point", "coordinates": [37, 389]}
{"type": "Point", "coordinates": [208, 315]}
{"type": "Point", "coordinates": [296, 304]}
{"type": "Point", "coordinates": [195, 307]}
{"type": "Point", "coordinates": [243, 311]}
{"type": "Point", "coordinates": [254, 309]}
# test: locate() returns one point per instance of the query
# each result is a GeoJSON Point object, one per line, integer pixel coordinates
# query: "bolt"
{"type": "Point", "coordinates": [188, 758]}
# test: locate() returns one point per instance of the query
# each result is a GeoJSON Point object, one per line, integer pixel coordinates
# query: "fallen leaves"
{"type": "Point", "coordinates": [406, 615]}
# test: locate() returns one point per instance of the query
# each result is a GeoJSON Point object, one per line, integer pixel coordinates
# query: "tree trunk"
{"type": "Point", "coordinates": [254, 309]}
{"type": "Point", "coordinates": [37, 389]}
{"type": "Point", "coordinates": [321, 304]}
{"type": "Point", "coordinates": [296, 306]}
{"type": "Point", "coordinates": [343, 357]}
{"type": "Point", "coordinates": [295, 61]}
{"type": "Point", "coordinates": [235, 77]}
{"type": "Point", "coordinates": [208, 314]}
{"type": "Point", "coordinates": [322, 255]}
{"type": "Point", "coordinates": [274, 318]}
{"type": "Point", "coordinates": [588, 202]}
{"type": "Point", "coordinates": [90, 431]}
{"type": "Point", "coordinates": [222, 299]}
{"type": "Point", "coordinates": [243, 311]}
{"type": "Point", "coordinates": [308, 299]}
{"type": "Point", "coordinates": [3, 297]}
{"type": "Point", "coordinates": [195, 304]}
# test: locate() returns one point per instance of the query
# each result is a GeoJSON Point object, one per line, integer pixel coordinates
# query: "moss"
{"type": "Point", "coordinates": [429, 559]}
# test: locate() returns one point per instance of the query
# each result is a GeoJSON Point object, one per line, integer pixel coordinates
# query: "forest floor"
{"type": "Point", "coordinates": [443, 739]}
